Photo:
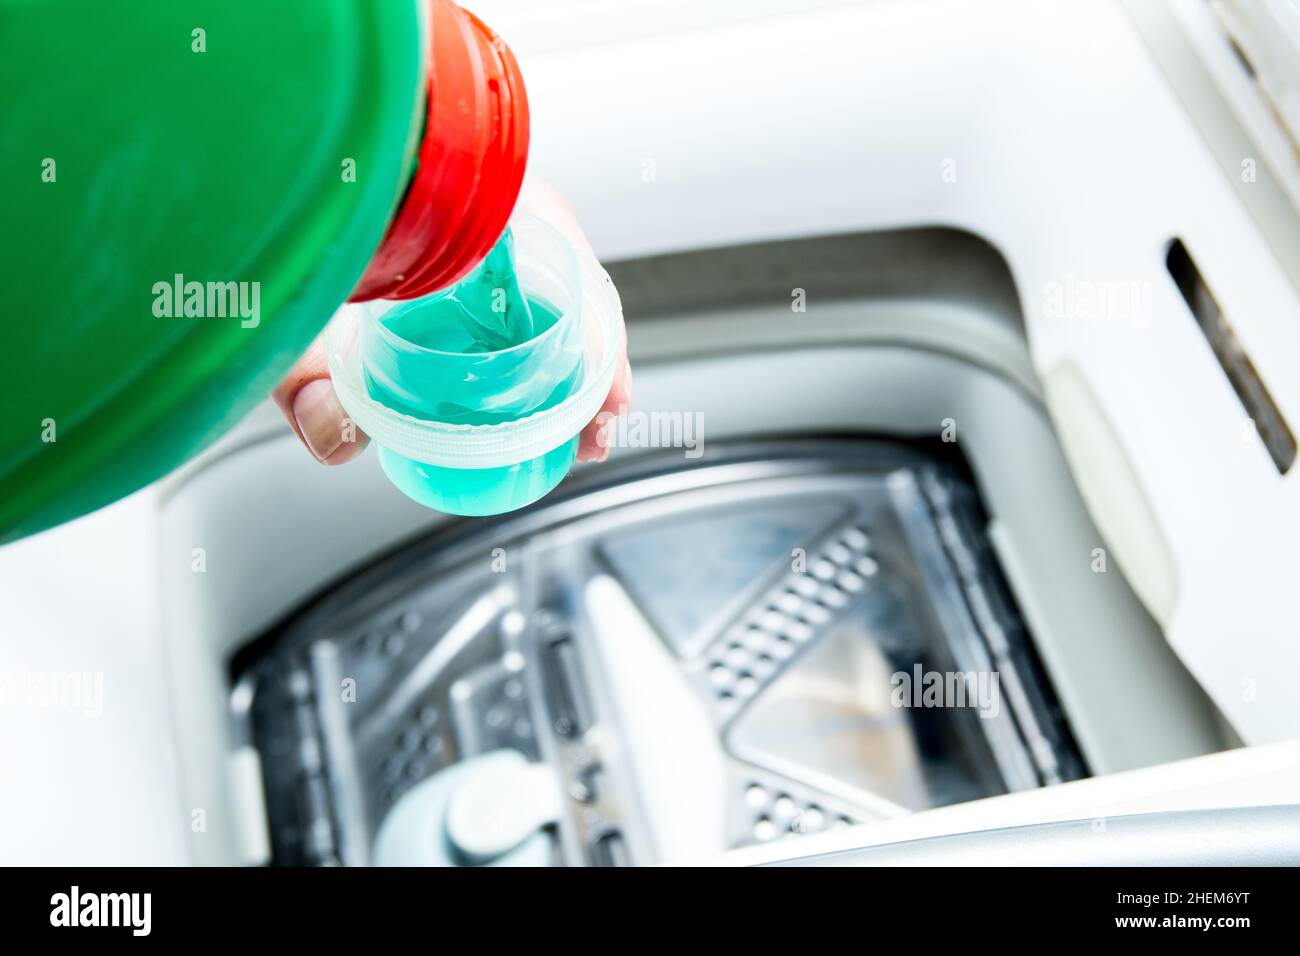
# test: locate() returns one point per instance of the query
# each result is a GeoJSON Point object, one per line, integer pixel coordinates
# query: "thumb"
{"type": "Point", "coordinates": [307, 398]}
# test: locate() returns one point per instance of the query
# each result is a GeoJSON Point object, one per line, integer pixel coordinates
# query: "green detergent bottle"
{"type": "Point", "coordinates": [191, 188]}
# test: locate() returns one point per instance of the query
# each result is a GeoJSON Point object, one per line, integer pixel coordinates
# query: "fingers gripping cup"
{"type": "Point", "coordinates": [476, 409]}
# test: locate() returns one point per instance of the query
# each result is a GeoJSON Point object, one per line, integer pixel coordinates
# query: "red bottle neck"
{"type": "Point", "coordinates": [470, 162]}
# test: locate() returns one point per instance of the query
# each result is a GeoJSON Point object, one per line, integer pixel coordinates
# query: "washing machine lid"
{"type": "Point", "coordinates": [1267, 34]}
{"type": "Point", "coordinates": [1163, 327]}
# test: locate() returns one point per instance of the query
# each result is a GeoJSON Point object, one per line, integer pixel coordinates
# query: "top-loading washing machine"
{"type": "Point", "coordinates": [965, 349]}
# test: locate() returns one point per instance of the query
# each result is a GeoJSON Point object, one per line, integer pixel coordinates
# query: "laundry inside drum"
{"type": "Point", "coordinates": [780, 639]}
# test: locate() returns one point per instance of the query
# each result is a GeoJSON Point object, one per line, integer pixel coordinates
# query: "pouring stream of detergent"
{"type": "Point", "coordinates": [484, 312]}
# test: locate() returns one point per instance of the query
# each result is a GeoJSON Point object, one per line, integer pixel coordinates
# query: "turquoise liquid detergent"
{"type": "Point", "coordinates": [478, 353]}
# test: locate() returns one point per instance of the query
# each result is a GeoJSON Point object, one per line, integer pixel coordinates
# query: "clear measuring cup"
{"type": "Point", "coordinates": [484, 432]}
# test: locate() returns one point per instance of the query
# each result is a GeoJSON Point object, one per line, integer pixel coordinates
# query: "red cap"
{"type": "Point", "coordinates": [470, 166]}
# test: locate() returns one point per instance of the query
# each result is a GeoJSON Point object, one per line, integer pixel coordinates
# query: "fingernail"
{"type": "Point", "coordinates": [320, 417]}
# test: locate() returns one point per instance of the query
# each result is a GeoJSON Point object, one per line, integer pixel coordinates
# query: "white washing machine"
{"type": "Point", "coordinates": [988, 317]}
